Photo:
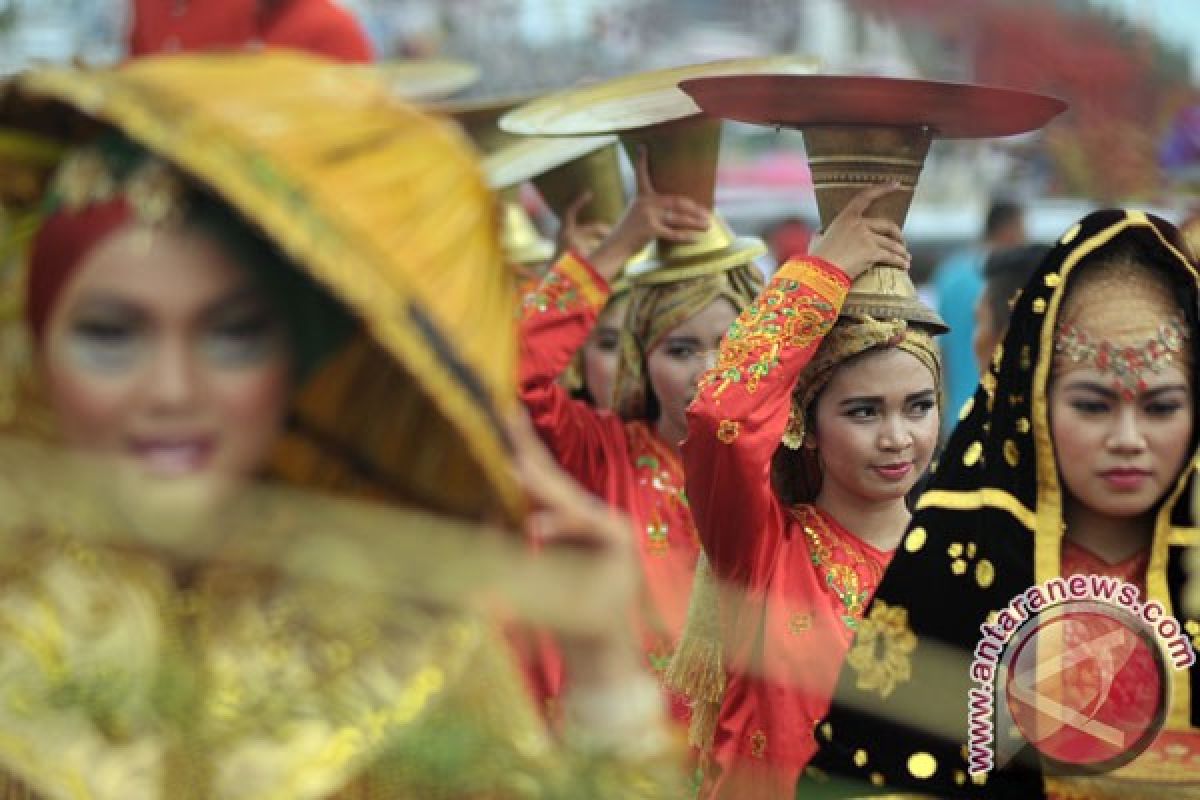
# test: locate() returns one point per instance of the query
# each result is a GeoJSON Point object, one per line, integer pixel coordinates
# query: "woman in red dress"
{"type": "Point", "coordinates": [630, 457]}
{"type": "Point", "coordinates": [801, 534]}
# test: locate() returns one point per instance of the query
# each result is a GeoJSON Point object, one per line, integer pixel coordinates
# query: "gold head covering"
{"type": "Point", "coordinates": [995, 504]}
{"type": "Point", "coordinates": [655, 309]}
{"type": "Point", "coordinates": [1123, 320]}
{"type": "Point", "coordinates": [697, 669]}
{"type": "Point", "coordinates": [385, 208]}
{"type": "Point", "coordinates": [797, 476]}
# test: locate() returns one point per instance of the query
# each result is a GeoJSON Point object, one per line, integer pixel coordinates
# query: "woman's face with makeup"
{"type": "Point", "coordinates": [600, 352]}
{"type": "Point", "coordinates": [876, 426]}
{"type": "Point", "coordinates": [161, 351]}
{"type": "Point", "coordinates": [1119, 452]}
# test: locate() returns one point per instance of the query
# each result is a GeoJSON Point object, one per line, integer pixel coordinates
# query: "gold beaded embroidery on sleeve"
{"type": "Point", "coordinates": [570, 286]}
{"type": "Point", "coordinates": [782, 317]}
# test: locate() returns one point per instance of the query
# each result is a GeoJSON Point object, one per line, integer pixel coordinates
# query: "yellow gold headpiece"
{"type": "Point", "coordinates": [1122, 320]}
{"type": "Point", "coordinates": [311, 156]}
{"type": "Point", "coordinates": [420, 80]}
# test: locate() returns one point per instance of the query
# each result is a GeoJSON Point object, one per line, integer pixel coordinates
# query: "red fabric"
{"type": "Point", "coordinates": [316, 26]}
{"type": "Point", "coordinates": [786, 639]}
{"type": "Point", "coordinates": [58, 249]}
{"type": "Point", "coordinates": [1078, 561]}
{"type": "Point", "coordinates": [626, 464]}
{"type": "Point", "coordinates": [164, 26]}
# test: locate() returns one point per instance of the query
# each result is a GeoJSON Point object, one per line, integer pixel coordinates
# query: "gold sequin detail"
{"type": "Point", "coordinates": [1011, 454]}
{"type": "Point", "coordinates": [758, 744]}
{"type": "Point", "coordinates": [960, 777]}
{"type": "Point", "coordinates": [1193, 629]}
{"type": "Point", "coordinates": [1052, 280]}
{"type": "Point", "coordinates": [876, 779]}
{"type": "Point", "coordinates": [985, 573]}
{"type": "Point", "coordinates": [922, 765]}
{"type": "Point", "coordinates": [958, 566]}
{"type": "Point", "coordinates": [728, 431]}
{"type": "Point", "coordinates": [1071, 234]}
{"type": "Point", "coordinates": [1023, 425]}
{"type": "Point", "coordinates": [1026, 357]}
{"type": "Point", "coordinates": [997, 356]}
{"type": "Point", "coordinates": [827, 732]}
{"type": "Point", "coordinates": [973, 453]}
{"type": "Point", "coordinates": [1039, 305]}
{"type": "Point", "coordinates": [965, 411]}
{"type": "Point", "coordinates": [860, 758]}
{"type": "Point", "coordinates": [915, 540]}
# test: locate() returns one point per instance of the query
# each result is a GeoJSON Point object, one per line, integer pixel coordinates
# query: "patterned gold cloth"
{"type": "Point", "coordinates": [147, 653]}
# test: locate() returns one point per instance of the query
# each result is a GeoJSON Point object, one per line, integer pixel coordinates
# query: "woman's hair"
{"type": "Point", "coordinates": [1006, 271]}
{"type": "Point", "coordinates": [109, 184]}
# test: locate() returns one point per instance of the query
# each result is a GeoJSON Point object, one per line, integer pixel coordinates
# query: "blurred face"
{"type": "Point", "coordinates": [876, 426]}
{"type": "Point", "coordinates": [986, 337]}
{"type": "Point", "coordinates": [1118, 456]}
{"type": "Point", "coordinates": [600, 353]}
{"type": "Point", "coordinates": [161, 352]}
{"type": "Point", "coordinates": [677, 362]}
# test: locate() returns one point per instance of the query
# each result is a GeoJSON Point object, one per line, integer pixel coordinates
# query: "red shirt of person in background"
{"type": "Point", "coordinates": [317, 26]}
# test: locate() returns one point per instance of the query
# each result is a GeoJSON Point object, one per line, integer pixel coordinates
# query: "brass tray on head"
{"type": "Point", "coordinates": [951, 110]}
{"type": "Point", "coordinates": [527, 158]}
{"type": "Point", "coordinates": [426, 79]}
{"type": "Point", "coordinates": [865, 131]}
{"type": "Point", "coordinates": [478, 115]}
{"type": "Point", "coordinates": [635, 101]}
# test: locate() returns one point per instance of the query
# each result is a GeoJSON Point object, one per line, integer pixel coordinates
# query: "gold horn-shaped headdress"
{"type": "Point", "coordinates": [861, 131]}
{"type": "Point", "coordinates": [648, 110]}
{"type": "Point", "coordinates": [424, 79]}
{"type": "Point", "coordinates": [562, 169]}
{"type": "Point", "coordinates": [522, 243]}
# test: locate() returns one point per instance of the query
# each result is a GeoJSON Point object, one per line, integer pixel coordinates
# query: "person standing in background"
{"type": "Point", "coordinates": [317, 26]}
{"type": "Point", "coordinates": [958, 281]}
{"type": "Point", "coordinates": [1005, 274]}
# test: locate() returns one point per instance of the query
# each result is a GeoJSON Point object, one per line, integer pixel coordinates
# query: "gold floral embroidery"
{"type": "Point", "coordinates": [728, 431]}
{"type": "Point", "coordinates": [1128, 364]}
{"type": "Point", "coordinates": [156, 194]}
{"type": "Point", "coordinates": [659, 470]}
{"type": "Point", "coordinates": [840, 563]}
{"type": "Point", "coordinates": [799, 623]}
{"type": "Point", "coordinates": [882, 652]}
{"type": "Point", "coordinates": [84, 180]}
{"type": "Point", "coordinates": [155, 191]}
{"type": "Point", "coordinates": [554, 292]}
{"type": "Point", "coordinates": [780, 318]}
{"type": "Point", "coordinates": [758, 744]}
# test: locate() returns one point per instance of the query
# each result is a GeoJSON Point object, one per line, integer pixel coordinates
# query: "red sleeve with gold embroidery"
{"type": "Point", "coordinates": [556, 319]}
{"type": "Point", "coordinates": [741, 412]}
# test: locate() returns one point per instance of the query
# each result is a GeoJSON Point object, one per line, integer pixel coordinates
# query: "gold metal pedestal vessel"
{"type": "Point", "coordinates": [844, 160]}
{"type": "Point", "coordinates": [860, 131]}
{"type": "Point", "coordinates": [648, 110]}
